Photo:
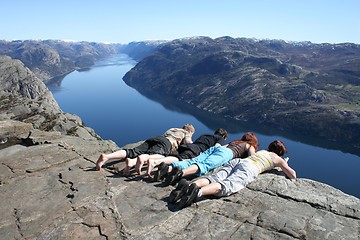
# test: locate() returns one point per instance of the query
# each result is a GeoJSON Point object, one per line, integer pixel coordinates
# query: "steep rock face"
{"type": "Point", "coordinates": [297, 87]}
{"type": "Point", "coordinates": [23, 97]}
{"type": "Point", "coordinates": [16, 79]}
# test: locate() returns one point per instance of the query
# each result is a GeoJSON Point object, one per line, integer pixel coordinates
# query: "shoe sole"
{"type": "Point", "coordinates": [176, 177]}
{"type": "Point", "coordinates": [180, 191]}
{"type": "Point", "coordinates": [161, 172]}
{"type": "Point", "coordinates": [172, 175]}
{"type": "Point", "coordinates": [190, 198]}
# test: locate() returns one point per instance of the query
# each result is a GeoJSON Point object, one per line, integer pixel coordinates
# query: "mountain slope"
{"type": "Point", "coordinates": [51, 58]}
{"type": "Point", "coordinates": [297, 87]}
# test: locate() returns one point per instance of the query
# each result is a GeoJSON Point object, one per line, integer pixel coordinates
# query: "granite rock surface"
{"type": "Point", "coordinates": [51, 190]}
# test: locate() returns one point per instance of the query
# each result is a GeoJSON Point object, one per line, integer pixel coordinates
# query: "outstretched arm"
{"type": "Point", "coordinates": [290, 173]}
{"type": "Point", "coordinates": [187, 140]}
{"type": "Point", "coordinates": [188, 137]}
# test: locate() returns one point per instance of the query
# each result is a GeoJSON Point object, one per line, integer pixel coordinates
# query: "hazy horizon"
{"type": "Point", "coordinates": [162, 40]}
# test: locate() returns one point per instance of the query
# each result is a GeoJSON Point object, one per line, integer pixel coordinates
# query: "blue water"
{"type": "Point", "coordinates": [118, 112]}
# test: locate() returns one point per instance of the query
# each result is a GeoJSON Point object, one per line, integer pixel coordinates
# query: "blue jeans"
{"type": "Point", "coordinates": [210, 159]}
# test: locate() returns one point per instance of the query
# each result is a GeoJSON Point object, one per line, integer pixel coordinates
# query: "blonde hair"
{"type": "Point", "coordinates": [189, 128]}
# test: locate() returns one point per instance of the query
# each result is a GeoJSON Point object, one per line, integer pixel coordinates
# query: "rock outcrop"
{"type": "Point", "coordinates": [16, 79]}
{"type": "Point", "coordinates": [50, 189]}
{"type": "Point", "coordinates": [25, 98]}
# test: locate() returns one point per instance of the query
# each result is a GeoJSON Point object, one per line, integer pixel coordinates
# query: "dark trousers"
{"type": "Point", "coordinates": [156, 145]}
{"type": "Point", "coordinates": [187, 151]}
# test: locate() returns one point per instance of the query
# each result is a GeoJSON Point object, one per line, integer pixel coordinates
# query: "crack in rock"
{"type": "Point", "coordinates": [18, 221]}
{"type": "Point", "coordinates": [96, 226]}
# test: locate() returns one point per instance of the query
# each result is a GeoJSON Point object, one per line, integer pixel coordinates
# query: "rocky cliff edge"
{"type": "Point", "coordinates": [50, 189]}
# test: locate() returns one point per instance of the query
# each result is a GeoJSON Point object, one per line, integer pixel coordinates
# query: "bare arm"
{"type": "Point", "coordinates": [187, 138]}
{"type": "Point", "coordinates": [190, 141]}
{"type": "Point", "coordinates": [251, 150]}
{"type": "Point", "coordinates": [279, 162]}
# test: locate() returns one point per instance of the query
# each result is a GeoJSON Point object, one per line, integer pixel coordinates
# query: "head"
{"type": "Point", "coordinates": [189, 128]}
{"type": "Point", "coordinates": [222, 132]}
{"type": "Point", "coordinates": [277, 147]}
{"type": "Point", "coordinates": [251, 139]}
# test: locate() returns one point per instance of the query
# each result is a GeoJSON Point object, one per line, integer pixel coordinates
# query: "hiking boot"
{"type": "Point", "coordinates": [174, 176]}
{"type": "Point", "coordinates": [190, 197]}
{"type": "Point", "coordinates": [161, 172]}
{"type": "Point", "coordinates": [180, 191]}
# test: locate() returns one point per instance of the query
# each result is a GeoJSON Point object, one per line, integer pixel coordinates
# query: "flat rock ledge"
{"type": "Point", "coordinates": [50, 190]}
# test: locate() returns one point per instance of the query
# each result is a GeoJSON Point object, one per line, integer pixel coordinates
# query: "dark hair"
{"type": "Point", "coordinates": [222, 132]}
{"type": "Point", "coordinates": [277, 147]}
{"type": "Point", "coordinates": [251, 139]}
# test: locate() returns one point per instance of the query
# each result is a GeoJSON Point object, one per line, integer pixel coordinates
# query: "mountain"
{"type": "Point", "coordinates": [139, 50]}
{"type": "Point", "coordinates": [295, 87]}
{"type": "Point", "coordinates": [52, 58]}
{"type": "Point", "coordinates": [48, 59]}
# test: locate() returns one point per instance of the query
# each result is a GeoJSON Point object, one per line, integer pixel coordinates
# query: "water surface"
{"type": "Point", "coordinates": [120, 113]}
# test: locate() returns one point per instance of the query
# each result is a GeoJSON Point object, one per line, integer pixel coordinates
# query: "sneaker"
{"type": "Point", "coordinates": [174, 176]}
{"type": "Point", "coordinates": [190, 197]}
{"type": "Point", "coordinates": [161, 172]}
{"type": "Point", "coordinates": [180, 191]}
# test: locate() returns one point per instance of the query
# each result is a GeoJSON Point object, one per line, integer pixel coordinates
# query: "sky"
{"type": "Point", "coordinates": [124, 21]}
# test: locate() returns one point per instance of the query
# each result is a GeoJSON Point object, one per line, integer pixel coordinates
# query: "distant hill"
{"type": "Point", "coordinates": [53, 58]}
{"type": "Point", "coordinates": [139, 50]}
{"type": "Point", "coordinates": [298, 87]}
